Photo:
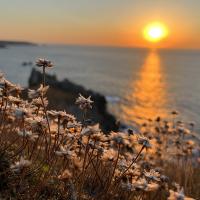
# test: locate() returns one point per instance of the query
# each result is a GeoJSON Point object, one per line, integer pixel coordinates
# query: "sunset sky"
{"type": "Point", "coordinates": [100, 22]}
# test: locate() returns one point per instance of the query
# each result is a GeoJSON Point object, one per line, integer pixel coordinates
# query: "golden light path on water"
{"type": "Point", "coordinates": [148, 98]}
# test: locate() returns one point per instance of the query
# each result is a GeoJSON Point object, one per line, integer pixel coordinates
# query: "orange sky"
{"type": "Point", "coordinates": [92, 22]}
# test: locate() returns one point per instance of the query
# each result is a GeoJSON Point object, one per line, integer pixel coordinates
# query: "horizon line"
{"type": "Point", "coordinates": [99, 45]}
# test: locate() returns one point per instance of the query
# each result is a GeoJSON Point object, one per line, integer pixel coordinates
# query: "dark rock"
{"type": "Point", "coordinates": [62, 96]}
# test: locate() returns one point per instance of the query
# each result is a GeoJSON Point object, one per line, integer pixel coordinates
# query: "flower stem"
{"type": "Point", "coordinates": [134, 160]}
{"type": "Point", "coordinates": [43, 81]}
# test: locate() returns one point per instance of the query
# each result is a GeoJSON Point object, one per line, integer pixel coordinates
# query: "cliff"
{"type": "Point", "coordinates": [62, 96]}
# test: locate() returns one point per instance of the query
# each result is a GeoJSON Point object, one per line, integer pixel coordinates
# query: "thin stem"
{"type": "Point", "coordinates": [3, 116]}
{"type": "Point", "coordinates": [134, 160]}
{"type": "Point", "coordinates": [58, 129]}
{"type": "Point", "coordinates": [113, 173]}
{"type": "Point", "coordinates": [43, 81]}
{"type": "Point", "coordinates": [45, 112]}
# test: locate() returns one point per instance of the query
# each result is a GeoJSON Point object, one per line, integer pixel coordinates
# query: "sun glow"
{"type": "Point", "coordinates": [155, 32]}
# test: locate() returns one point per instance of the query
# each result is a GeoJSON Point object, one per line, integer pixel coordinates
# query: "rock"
{"type": "Point", "coordinates": [62, 96]}
{"type": "Point", "coordinates": [25, 63]}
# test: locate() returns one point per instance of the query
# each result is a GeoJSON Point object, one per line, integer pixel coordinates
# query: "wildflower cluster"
{"type": "Point", "coordinates": [53, 156]}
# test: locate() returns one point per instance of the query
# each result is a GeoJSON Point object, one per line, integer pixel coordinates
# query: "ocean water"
{"type": "Point", "coordinates": [139, 84]}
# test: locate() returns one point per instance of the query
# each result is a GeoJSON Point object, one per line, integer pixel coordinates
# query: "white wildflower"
{"type": "Point", "coordinates": [37, 93]}
{"type": "Point", "coordinates": [20, 112]}
{"type": "Point", "coordinates": [44, 63]}
{"type": "Point", "coordinates": [64, 151]}
{"type": "Point", "coordinates": [152, 187]}
{"type": "Point", "coordinates": [38, 102]}
{"type": "Point", "coordinates": [73, 124]}
{"type": "Point", "coordinates": [65, 175]}
{"type": "Point", "coordinates": [127, 186]}
{"type": "Point", "coordinates": [84, 103]}
{"type": "Point", "coordinates": [14, 100]}
{"type": "Point", "coordinates": [25, 133]}
{"type": "Point", "coordinates": [144, 141]}
{"type": "Point", "coordinates": [62, 115]}
{"type": "Point", "coordinates": [179, 195]}
{"type": "Point", "coordinates": [140, 184]}
{"type": "Point", "coordinates": [19, 165]}
{"type": "Point", "coordinates": [152, 175]}
{"type": "Point", "coordinates": [37, 122]}
{"type": "Point", "coordinates": [90, 130]}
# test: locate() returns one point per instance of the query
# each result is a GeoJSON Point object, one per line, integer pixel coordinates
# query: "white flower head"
{"type": "Point", "coordinates": [90, 130]}
{"type": "Point", "coordinates": [21, 164]}
{"type": "Point", "coordinates": [140, 184]}
{"type": "Point", "coordinates": [25, 133]}
{"type": "Point", "coordinates": [64, 151]}
{"type": "Point", "coordinates": [62, 115]}
{"type": "Point", "coordinates": [144, 141]}
{"type": "Point", "coordinates": [14, 100]}
{"type": "Point", "coordinates": [74, 124]}
{"type": "Point", "coordinates": [84, 103]}
{"type": "Point", "coordinates": [37, 93]}
{"type": "Point", "coordinates": [44, 63]}
{"type": "Point", "coordinates": [38, 102]}
{"type": "Point", "coordinates": [152, 175]}
{"type": "Point", "coordinates": [20, 112]}
{"type": "Point", "coordinates": [179, 194]}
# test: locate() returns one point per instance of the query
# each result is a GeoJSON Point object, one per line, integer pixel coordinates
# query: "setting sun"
{"type": "Point", "coordinates": [154, 32]}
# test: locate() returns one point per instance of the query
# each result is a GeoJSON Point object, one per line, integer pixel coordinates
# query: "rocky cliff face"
{"type": "Point", "coordinates": [62, 96]}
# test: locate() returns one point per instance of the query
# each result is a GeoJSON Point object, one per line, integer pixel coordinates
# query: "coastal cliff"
{"type": "Point", "coordinates": [62, 96]}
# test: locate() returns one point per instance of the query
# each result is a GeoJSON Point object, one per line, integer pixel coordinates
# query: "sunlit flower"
{"type": "Point", "coordinates": [117, 137]}
{"type": "Point", "coordinates": [44, 63]}
{"type": "Point", "coordinates": [164, 178]}
{"type": "Point", "coordinates": [64, 151]}
{"type": "Point", "coordinates": [90, 130]}
{"type": "Point", "coordinates": [152, 175]}
{"type": "Point", "coordinates": [73, 124]}
{"type": "Point", "coordinates": [18, 89]}
{"type": "Point", "coordinates": [25, 133]}
{"type": "Point", "coordinates": [36, 122]}
{"type": "Point", "coordinates": [140, 184]}
{"type": "Point", "coordinates": [20, 112]}
{"type": "Point", "coordinates": [127, 186]}
{"type": "Point", "coordinates": [37, 93]}
{"type": "Point", "coordinates": [65, 175]}
{"type": "Point", "coordinates": [178, 195]}
{"type": "Point", "coordinates": [38, 102]}
{"type": "Point", "coordinates": [144, 141]}
{"type": "Point", "coordinates": [109, 154]}
{"type": "Point", "coordinates": [84, 103]}
{"type": "Point", "coordinates": [62, 115]}
{"type": "Point", "coordinates": [6, 86]}
{"type": "Point", "coordinates": [14, 100]}
{"type": "Point", "coordinates": [152, 187]}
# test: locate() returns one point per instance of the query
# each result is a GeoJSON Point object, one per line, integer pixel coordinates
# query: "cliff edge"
{"type": "Point", "coordinates": [62, 96]}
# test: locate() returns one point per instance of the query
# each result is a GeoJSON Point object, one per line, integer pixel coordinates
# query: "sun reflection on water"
{"type": "Point", "coordinates": [148, 98]}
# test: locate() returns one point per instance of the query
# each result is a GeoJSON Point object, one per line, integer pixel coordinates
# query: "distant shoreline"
{"type": "Point", "coordinates": [4, 43]}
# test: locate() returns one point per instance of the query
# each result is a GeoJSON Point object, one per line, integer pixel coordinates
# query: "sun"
{"type": "Point", "coordinates": [155, 32]}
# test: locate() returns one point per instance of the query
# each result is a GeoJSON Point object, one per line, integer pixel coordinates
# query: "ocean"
{"type": "Point", "coordinates": [139, 84]}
